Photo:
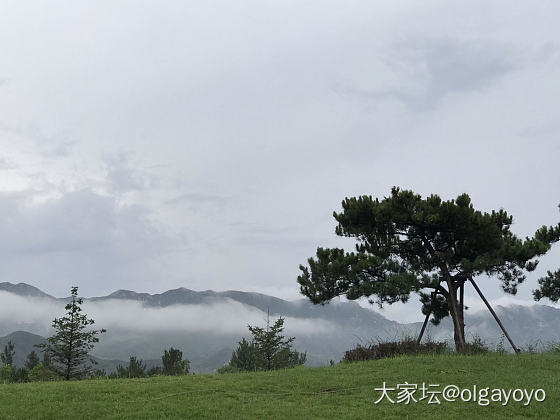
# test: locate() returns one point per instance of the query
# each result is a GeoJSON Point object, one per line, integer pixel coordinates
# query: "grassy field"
{"type": "Point", "coordinates": [341, 391]}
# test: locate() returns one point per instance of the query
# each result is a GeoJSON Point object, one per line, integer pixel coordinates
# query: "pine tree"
{"type": "Point", "coordinates": [7, 355]}
{"type": "Point", "coordinates": [409, 244]}
{"type": "Point", "coordinates": [245, 356]}
{"type": "Point", "coordinates": [68, 349]}
{"type": "Point", "coordinates": [173, 363]}
{"type": "Point", "coordinates": [135, 369]}
{"type": "Point", "coordinates": [267, 350]}
{"type": "Point", "coordinates": [32, 360]}
{"type": "Point", "coordinates": [272, 350]}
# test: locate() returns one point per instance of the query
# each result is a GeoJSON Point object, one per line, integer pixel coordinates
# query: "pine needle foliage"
{"type": "Point", "coordinates": [69, 348]}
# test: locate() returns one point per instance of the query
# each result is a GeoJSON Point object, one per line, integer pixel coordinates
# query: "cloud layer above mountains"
{"type": "Point", "coordinates": [119, 316]}
{"type": "Point", "coordinates": [205, 144]}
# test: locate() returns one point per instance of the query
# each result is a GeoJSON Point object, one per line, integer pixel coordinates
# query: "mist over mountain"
{"type": "Point", "coordinates": [207, 325]}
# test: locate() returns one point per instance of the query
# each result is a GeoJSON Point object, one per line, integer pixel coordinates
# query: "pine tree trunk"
{"type": "Point", "coordinates": [462, 309]}
{"type": "Point", "coordinates": [456, 314]}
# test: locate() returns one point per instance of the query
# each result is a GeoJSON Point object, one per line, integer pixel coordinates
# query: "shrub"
{"type": "Point", "coordinates": [393, 348]}
{"type": "Point", "coordinates": [228, 369]}
{"type": "Point", "coordinates": [19, 375]}
{"type": "Point", "coordinates": [42, 373]}
{"type": "Point", "coordinates": [477, 346]}
{"type": "Point", "coordinates": [553, 347]}
{"type": "Point", "coordinates": [6, 373]}
{"type": "Point", "coordinates": [154, 371]}
{"type": "Point", "coordinates": [98, 374]}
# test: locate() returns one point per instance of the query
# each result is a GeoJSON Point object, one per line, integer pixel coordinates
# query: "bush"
{"type": "Point", "coordinates": [42, 373]}
{"type": "Point", "coordinates": [553, 347]}
{"type": "Point", "coordinates": [154, 371]}
{"type": "Point", "coordinates": [228, 369]}
{"type": "Point", "coordinates": [6, 373]}
{"type": "Point", "coordinates": [10, 374]}
{"type": "Point", "coordinates": [19, 375]}
{"type": "Point", "coordinates": [393, 348]}
{"type": "Point", "coordinates": [477, 346]}
{"type": "Point", "coordinates": [98, 374]}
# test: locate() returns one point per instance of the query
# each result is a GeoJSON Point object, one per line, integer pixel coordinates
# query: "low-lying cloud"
{"type": "Point", "coordinates": [115, 315]}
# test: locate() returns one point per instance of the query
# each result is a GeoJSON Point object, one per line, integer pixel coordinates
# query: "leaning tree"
{"type": "Point", "coordinates": [409, 244]}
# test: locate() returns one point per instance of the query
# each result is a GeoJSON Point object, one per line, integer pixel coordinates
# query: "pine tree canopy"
{"type": "Point", "coordinates": [406, 243]}
{"type": "Point", "coordinates": [68, 349]}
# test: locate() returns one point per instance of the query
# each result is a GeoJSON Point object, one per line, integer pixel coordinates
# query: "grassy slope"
{"type": "Point", "coordinates": [342, 391]}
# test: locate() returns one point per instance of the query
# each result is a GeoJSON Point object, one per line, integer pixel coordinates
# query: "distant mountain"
{"type": "Point", "coordinates": [182, 296]}
{"type": "Point", "coordinates": [329, 330]}
{"type": "Point", "coordinates": [302, 308]}
{"type": "Point", "coordinates": [23, 289]}
{"type": "Point", "coordinates": [325, 332]}
{"type": "Point", "coordinates": [349, 324]}
{"type": "Point", "coordinates": [24, 343]}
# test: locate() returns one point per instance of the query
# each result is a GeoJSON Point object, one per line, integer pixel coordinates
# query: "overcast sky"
{"type": "Point", "coordinates": [154, 145]}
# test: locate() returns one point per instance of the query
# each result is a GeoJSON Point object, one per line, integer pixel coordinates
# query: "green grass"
{"type": "Point", "coordinates": [342, 391]}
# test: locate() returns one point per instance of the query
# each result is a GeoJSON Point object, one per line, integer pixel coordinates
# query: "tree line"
{"type": "Point", "coordinates": [66, 354]}
{"type": "Point", "coordinates": [35, 369]}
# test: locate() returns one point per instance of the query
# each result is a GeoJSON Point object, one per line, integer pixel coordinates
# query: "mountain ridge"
{"type": "Point", "coordinates": [207, 325]}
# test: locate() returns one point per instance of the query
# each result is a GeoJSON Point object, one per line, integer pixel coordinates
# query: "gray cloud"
{"type": "Point", "coordinates": [550, 129]}
{"type": "Point", "coordinates": [121, 177]}
{"type": "Point", "coordinates": [430, 70]}
{"type": "Point", "coordinates": [59, 145]}
{"type": "Point", "coordinates": [203, 145]}
{"type": "Point", "coordinates": [79, 238]}
{"type": "Point", "coordinates": [6, 164]}
{"type": "Point", "coordinates": [202, 203]}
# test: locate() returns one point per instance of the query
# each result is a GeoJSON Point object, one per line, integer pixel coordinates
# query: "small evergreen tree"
{"type": "Point", "coordinates": [245, 356]}
{"type": "Point", "coordinates": [173, 363]}
{"type": "Point", "coordinates": [267, 350]}
{"type": "Point", "coordinates": [7, 355]}
{"type": "Point", "coordinates": [135, 369]}
{"type": "Point", "coordinates": [272, 350]}
{"type": "Point", "coordinates": [32, 360]}
{"type": "Point", "coordinates": [68, 349]}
